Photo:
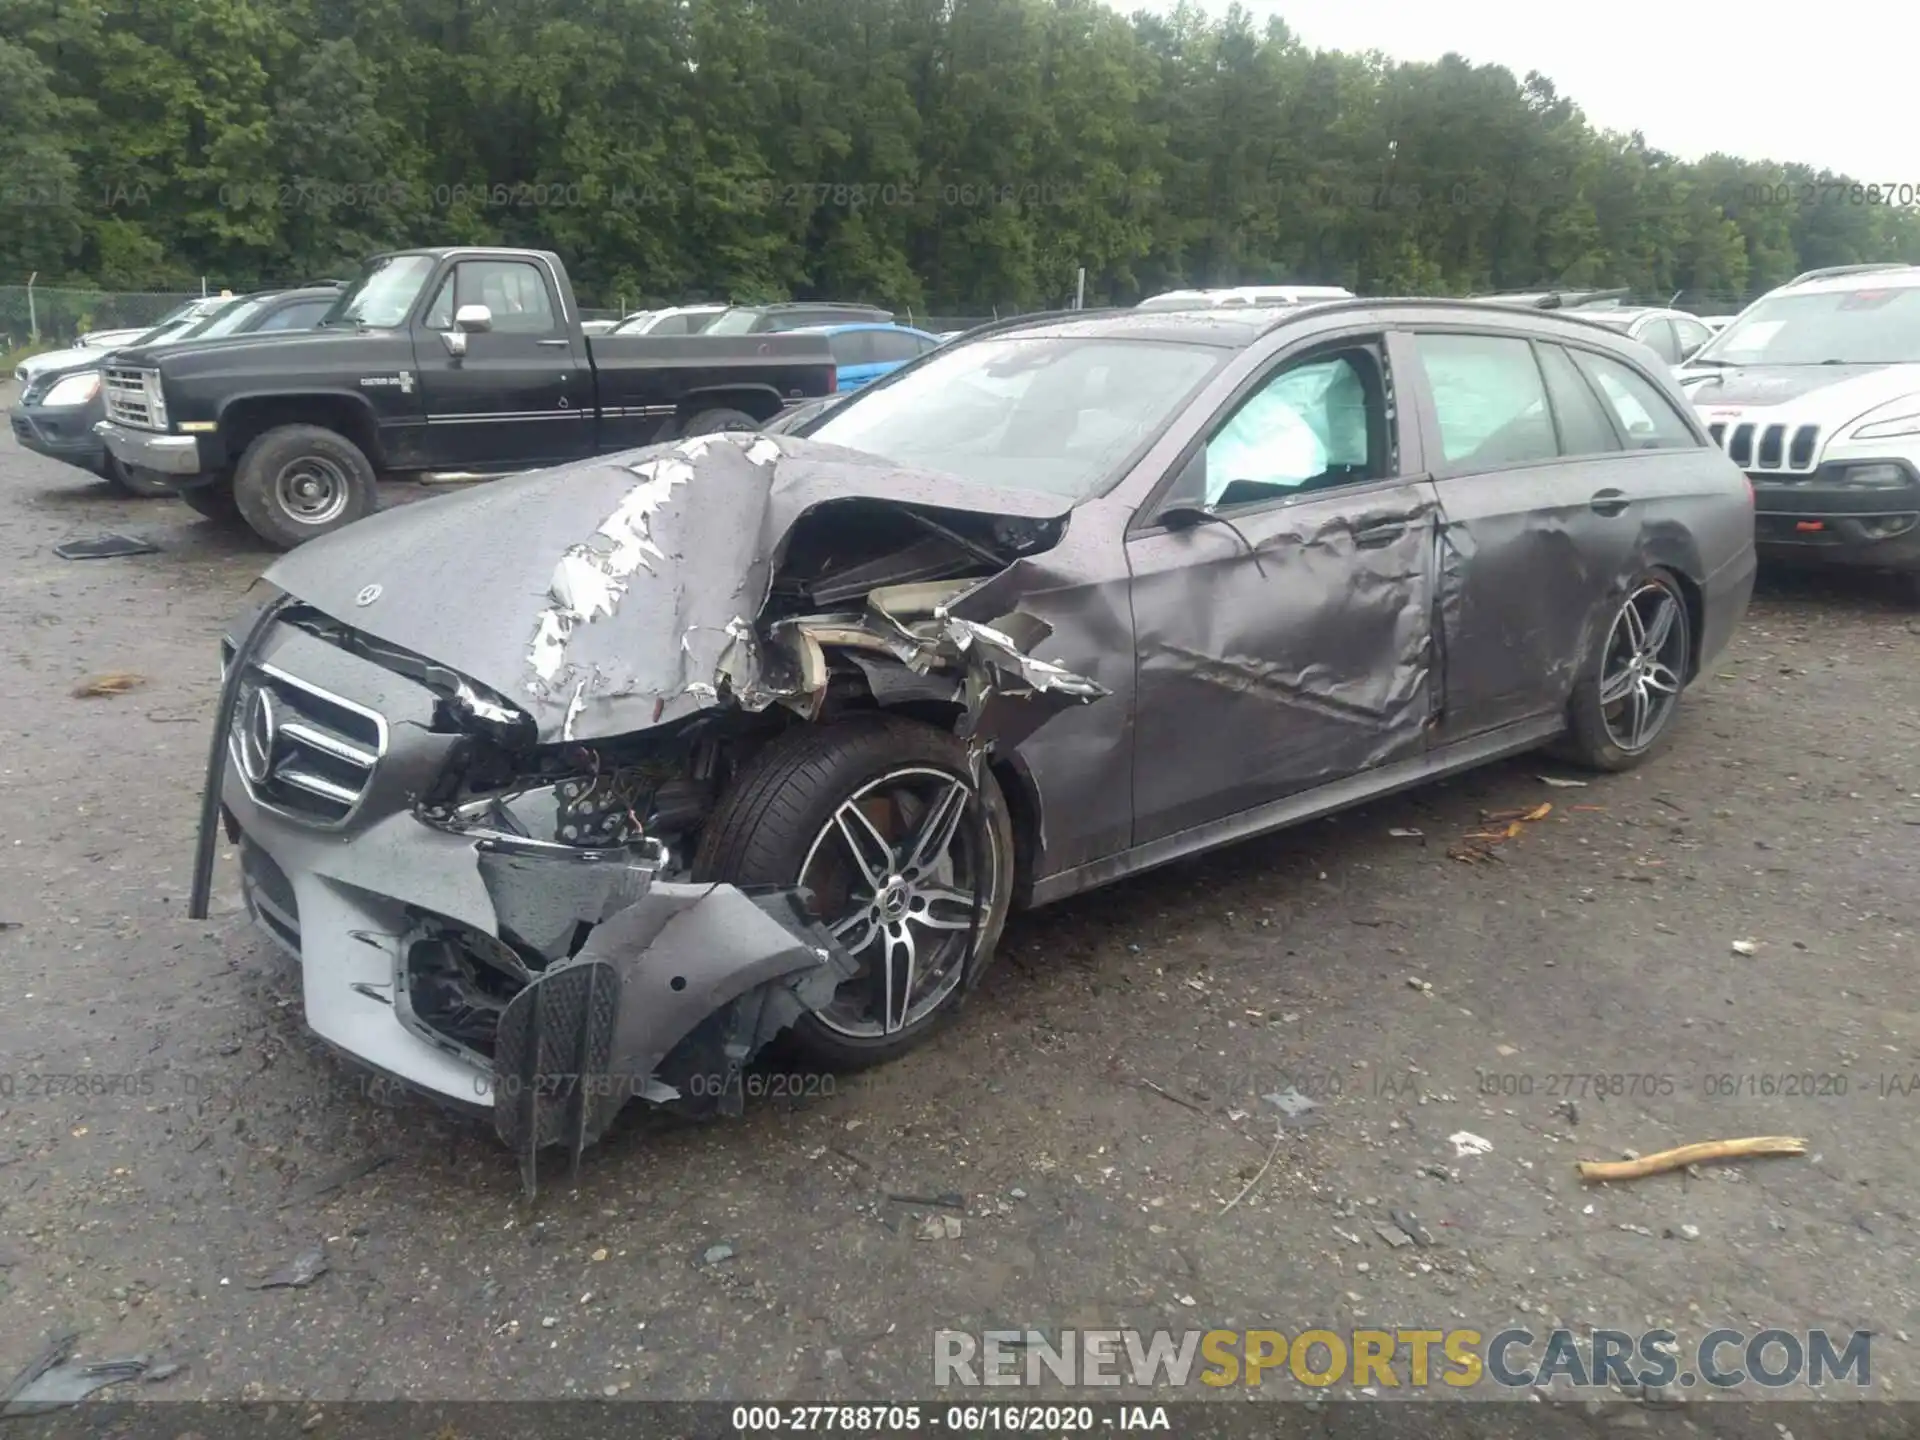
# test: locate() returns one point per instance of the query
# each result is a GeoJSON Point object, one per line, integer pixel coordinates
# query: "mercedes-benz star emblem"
{"type": "Point", "coordinates": [259, 728]}
{"type": "Point", "coordinates": [367, 596]}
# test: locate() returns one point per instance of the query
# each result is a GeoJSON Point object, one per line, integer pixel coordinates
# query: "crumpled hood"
{"type": "Point", "coordinates": [604, 597]}
{"type": "Point", "coordinates": [1825, 395]}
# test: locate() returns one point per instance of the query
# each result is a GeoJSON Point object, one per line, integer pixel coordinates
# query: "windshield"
{"type": "Point", "coordinates": [232, 318]}
{"type": "Point", "coordinates": [1025, 413]}
{"type": "Point", "coordinates": [383, 296]}
{"type": "Point", "coordinates": [1835, 327]}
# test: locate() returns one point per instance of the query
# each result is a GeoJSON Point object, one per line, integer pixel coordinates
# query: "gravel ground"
{"type": "Point", "coordinates": [1097, 1108]}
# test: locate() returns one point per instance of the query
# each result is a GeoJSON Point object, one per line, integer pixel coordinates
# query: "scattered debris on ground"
{"type": "Point", "coordinates": [105, 547]}
{"type": "Point", "coordinates": [1685, 1155]}
{"type": "Point", "coordinates": [938, 1227]}
{"type": "Point", "coordinates": [1746, 947]}
{"type": "Point", "coordinates": [298, 1273]}
{"type": "Point", "coordinates": [333, 1180]}
{"type": "Point", "coordinates": [1559, 784]}
{"type": "Point", "coordinates": [1465, 1142]}
{"type": "Point", "coordinates": [1478, 845]}
{"type": "Point", "coordinates": [53, 1379]}
{"type": "Point", "coordinates": [118, 682]}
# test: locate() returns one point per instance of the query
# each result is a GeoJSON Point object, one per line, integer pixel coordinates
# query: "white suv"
{"type": "Point", "coordinates": [1814, 391]}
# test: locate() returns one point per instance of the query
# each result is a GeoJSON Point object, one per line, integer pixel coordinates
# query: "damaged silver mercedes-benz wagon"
{"type": "Point", "coordinates": [586, 785]}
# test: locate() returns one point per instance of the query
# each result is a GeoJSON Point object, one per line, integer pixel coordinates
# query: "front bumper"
{"type": "Point", "coordinates": [388, 914]}
{"type": "Point", "coordinates": [64, 433]}
{"type": "Point", "coordinates": [1812, 521]}
{"type": "Point", "coordinates": [177, 455]}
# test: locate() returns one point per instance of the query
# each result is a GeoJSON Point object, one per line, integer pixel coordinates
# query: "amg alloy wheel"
{"type": "Point", "coordinates": [1625, 706]}
{"type": "Point", "coordinates": [904, 861]}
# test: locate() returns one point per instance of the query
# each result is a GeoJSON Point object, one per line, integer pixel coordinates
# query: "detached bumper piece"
{"type": "Point", "coordinates": [690, 980]}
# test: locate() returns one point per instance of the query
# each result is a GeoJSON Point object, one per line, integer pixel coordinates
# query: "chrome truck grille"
{"type": "Point", "coordinates": [302, 751]}
{"type": "Point", "coordinates": [1769, 449]}
{"type": "Point", "coordinates": [127, 399]}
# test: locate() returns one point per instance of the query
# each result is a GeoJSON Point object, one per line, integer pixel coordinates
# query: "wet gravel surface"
{"type": "Point", "coordinates": [166, 1120]}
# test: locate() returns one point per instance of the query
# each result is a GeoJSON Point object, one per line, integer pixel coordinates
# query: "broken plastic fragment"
{"type": "Point", "coordinates": [1465, 1142]}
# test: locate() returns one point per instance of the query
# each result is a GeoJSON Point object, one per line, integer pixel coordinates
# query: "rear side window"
{"type": "Point", "coordinates": [303, 316]}
{"type": "Point", "coordinates": [1584, 427]}
{"type": "Point", "coordinates": [1658, 336]}
{"type": "Point", "coordinates": [851, 347]}
{"type": "Point", "coordinates": [893, 346]}
{"type": "Point", "coordinates": [1645, 416]}
{"type": "Point", "coordinates": [1490, 399]}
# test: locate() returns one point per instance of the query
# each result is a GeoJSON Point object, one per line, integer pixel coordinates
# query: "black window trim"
{"type": "Point", "coordinates": [1374, 337]}
{"type": "Point", "coordinates": [1607, 417]}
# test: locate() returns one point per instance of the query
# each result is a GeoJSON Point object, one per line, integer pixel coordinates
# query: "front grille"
{"type": "Point", "coordinates": [1769, 449]}
{"type": "Point", "coordinates": [126, 392]}
{"type": "Point", "coordinates": [301, 750]}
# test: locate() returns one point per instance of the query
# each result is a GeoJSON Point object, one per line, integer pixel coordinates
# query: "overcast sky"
{"type": "Point", "coordinates": [1832, 85]}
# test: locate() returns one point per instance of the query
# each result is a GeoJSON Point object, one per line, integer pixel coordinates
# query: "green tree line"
{"type": "Point", "coordinates": [945, 155]}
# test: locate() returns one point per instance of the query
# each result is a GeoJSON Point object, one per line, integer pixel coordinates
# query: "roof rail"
{"type": "Point", "coordinates": [1555, 299]}
{"type": "Point", "coordinates": [1013, 322]}
{"type": "Point", "coordinates": [1828, 272]}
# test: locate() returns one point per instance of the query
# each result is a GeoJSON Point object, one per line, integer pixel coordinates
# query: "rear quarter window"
{"type": "Point", "coordinates": [1645, 416]}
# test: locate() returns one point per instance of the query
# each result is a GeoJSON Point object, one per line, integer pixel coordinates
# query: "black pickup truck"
{"type": "Point", "coordinates": [443, 363]}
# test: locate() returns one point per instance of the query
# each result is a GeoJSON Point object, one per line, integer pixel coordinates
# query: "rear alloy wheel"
{"type": "Point", "coordinates": [1625, 707]}
{"type": "Point", "coordinates": [905, 864]}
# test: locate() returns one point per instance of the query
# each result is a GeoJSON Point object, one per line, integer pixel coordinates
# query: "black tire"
{"type": "Point", "coordinates": [278, 467]}
{"type": "Point", "coordinates": [1599, 733]}
{"type": "Point", "coordinates": [712, 422]}
{"type": "Point", "coordinates": [767, 822]}
{"type": "Point", "coordinates": [132, 480]}
{"type": "Point", "coordinates": [214, 501]}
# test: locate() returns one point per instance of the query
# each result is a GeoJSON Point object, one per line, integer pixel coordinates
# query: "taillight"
{"type": "Point", "coordinates": [833, 380]}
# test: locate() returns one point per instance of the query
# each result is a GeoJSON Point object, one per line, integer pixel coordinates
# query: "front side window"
{"type": "Point", "coordinates": [231, 320]}
{"type": "Point", "coordinates": [303, 316]}
{"type": "Point", "coordinates": [1490, 399]}
{"type": "Point", "coordinates": [1645, 416]}
{"type": "Point", "coordinates": [893, 347]}
{"type": "Point", "coordinates": [1307, 428]}
{"type": "Point", "coordinates": [734, 322]}
{"type": "Point", "coordinates": [512, 290]}
{"type": "Point", "coordinates": [851, 347]}
{"type": "Point", "coordinates": [1054, 414]}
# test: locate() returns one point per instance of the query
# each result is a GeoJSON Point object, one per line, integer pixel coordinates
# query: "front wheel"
{"type": "Point", "coordinates": [1624, 707]}
{"type": "Point", "coordinates": [904, 861]}
{"type": "Point", "coordinates": [132, 480]}
{"type": "Point", "coordinates": [712, 422]}
{"type": "Point", "coordinates": [298, 482]}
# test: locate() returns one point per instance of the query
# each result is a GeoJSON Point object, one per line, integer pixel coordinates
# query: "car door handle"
{"type": "Point", "coordinates": [1372, 537]}
{"type": "Point", "coordinates": [562, 341]}
{"type": "Point", "coordinates": [1609, 502]}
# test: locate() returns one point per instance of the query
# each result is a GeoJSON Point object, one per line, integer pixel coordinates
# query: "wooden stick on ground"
{"type": "Point", "coordinates": [1664, 1160]}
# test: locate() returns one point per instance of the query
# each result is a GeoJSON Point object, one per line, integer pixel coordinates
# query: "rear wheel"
{"type": "Point", "coordinates": [1624, 708]}
{"type": "Point", "coordinates": [298, 482]}
{"type": "Point", "coordinates": [712, 422]}
{"type": "Point", "coordinates": [906, 864]}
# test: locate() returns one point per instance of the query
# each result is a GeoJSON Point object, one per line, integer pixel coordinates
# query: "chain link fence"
{"type": "Point", "coordinates": [53, 316]}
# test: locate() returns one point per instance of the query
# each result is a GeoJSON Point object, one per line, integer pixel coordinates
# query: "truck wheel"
{"type": "Point", "coordinates": [712, 422]}
{"type": "Point", "coordinates": [214, 501]}
{"type": "Point", "coordinates": [876, 816]}
{"type": "Point", "coordinates": [300, 481]}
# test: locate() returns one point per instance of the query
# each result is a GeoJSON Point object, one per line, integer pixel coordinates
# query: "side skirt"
{"type": "Point", "coordinates": [1465, 754]}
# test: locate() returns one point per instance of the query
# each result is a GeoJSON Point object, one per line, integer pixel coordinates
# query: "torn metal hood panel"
{"type": "Point", "coordinates": [605, 597]}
